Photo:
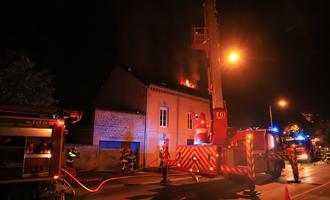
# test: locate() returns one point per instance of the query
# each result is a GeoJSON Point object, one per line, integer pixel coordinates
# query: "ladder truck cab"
{"type": "Point", "coordinates": [31, 143]}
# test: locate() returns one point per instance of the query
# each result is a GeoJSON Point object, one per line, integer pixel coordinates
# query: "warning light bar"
{"type": "Point", "coordinates": [274, 129]}
{"type": "Point", "coordinates": [300, 136]}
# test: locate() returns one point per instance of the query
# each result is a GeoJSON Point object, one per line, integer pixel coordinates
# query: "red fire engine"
{"type": "Point", "coordinates": [224, 150]}
{"type": "Point", "coordinates": [31, 143]}
{"type": "Point", "coordinates": [306, 147]}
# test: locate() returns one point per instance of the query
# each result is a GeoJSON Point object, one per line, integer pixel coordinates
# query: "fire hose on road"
{"type": "Point", "coordinates": [102, 183]}
{"type": "Point", "coordinates": [96, 189]}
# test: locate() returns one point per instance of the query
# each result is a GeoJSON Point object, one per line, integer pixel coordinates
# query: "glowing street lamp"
{"type": "Point", "coordinates": [282, 104]}
{"type": "Point", "coordinates": [233, 57]}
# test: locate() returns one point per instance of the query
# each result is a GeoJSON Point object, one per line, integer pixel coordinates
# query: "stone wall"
{"type": "Point", "coordinates": [111, 125]}
{"type": "Point", "coordinates": [121, 127]}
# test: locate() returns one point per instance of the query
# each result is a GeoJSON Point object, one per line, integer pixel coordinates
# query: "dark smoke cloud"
{"type": "Point", "coordinates": [155, 35]}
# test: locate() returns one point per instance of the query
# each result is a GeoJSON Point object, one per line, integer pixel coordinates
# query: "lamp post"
{"type": "Point", "coordinates": [282, 104]}
{"type": "Point", "coordinates": [270, 116]}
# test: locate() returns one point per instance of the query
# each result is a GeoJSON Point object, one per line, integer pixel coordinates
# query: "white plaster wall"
{"type": "Point", "coordinates": [179, 104]}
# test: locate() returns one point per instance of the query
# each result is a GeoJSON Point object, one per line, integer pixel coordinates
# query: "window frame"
{"type": "Point", "coordinates": [163, 116]}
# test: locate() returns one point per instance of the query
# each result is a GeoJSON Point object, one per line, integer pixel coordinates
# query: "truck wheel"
{"type": "Point", "coordinates": [278, 170]}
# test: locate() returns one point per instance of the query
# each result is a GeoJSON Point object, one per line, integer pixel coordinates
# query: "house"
{"type": "Point", "coordinates": [132, 112]}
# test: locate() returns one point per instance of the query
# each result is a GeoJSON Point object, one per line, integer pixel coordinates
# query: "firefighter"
{"type": "Point", "coordinates": [161, 159]}
{"type": "Point", "coordinates": [128, 159]}
{"type": "Point", "coordinates": [70, 155]}
{"type": "Point", "coordinates": [124, 160]}
{"type": "Point", "coordinates": [165, 150]}
{"type": "Point", "coordinates": [123, 153]}
{"type": "Point", "coordinates": [163, 154]}
{"type": "Point", "coordinates": [131, 160]}
{"type": "Point", "coordinates": [324, 152]}
{"type": "Point", "coordinates": [327, 155]}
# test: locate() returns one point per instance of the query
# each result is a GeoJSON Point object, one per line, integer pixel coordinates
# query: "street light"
{"type": "Point", "coordinates": [282, 103]}
{"type": "Point", "coordinates": [233, 57]}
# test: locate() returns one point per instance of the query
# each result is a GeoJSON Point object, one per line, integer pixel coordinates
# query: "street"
{"type": "Point", "coordinates": [314, 185]}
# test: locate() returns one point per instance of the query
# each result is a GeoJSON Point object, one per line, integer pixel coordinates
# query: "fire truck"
{"type": "Point", "coordinates": [306, 147]}
{"type": "Point", "coordinates": [31, 143]}
{"type": "Point", "coordinates": [223, 150]}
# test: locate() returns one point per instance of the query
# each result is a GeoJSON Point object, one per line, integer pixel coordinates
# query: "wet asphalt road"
{"type": "Point", "coordinates": [315, 184]}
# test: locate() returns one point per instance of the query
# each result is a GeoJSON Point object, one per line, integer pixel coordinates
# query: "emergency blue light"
{"type": "Point", "coordinates": [300, 137]}
{"type": "Point", "coordinates": [274, 129]}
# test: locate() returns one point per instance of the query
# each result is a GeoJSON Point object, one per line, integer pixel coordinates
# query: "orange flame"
{"type": "Point", "coordinates": [188, 83]}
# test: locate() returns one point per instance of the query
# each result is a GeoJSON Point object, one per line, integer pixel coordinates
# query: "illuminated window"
{"type": "Point", "coordinates": [163, 121]}
{"type": "Point", "coordinates": [189, 121]}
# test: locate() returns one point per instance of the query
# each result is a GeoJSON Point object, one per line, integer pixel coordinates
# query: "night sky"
{"type": "Point", "coordinates": [285, 47]}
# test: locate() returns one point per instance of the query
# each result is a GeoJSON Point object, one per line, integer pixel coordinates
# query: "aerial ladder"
{"type": "Point", "coordinates": [227, 151]}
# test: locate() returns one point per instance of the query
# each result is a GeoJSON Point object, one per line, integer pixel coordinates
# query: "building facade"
{"type": "Point", "coordinates": [169, 117]}
{"type": "Point", "coordinates": [114, 130]}
{"type": "Point", "coordinates": [131, 112]}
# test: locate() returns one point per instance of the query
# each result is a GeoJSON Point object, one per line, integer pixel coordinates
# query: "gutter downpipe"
{"type": "Point", "coordinates": [177, 120]}
{"type": "Point", "coordinates": [145, 130]}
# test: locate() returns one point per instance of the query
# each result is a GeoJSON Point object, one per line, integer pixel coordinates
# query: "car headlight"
{"type": "Point", "coordinates": [304, 156]}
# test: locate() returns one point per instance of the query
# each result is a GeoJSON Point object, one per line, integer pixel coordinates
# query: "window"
{"type": "Point", "coordinates": [189, 121]}
{"type": "Point", "coordinates": [163, 121]}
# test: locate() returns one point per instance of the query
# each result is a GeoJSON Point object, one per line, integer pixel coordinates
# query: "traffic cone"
{"type": "Point", "coordinates": [286, 193]}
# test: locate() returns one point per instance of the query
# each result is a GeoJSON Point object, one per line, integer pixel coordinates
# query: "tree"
{"type": "Point", "coordinates": [20, 84]}
{"type": "Point", "coordinates": [320, 126]}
